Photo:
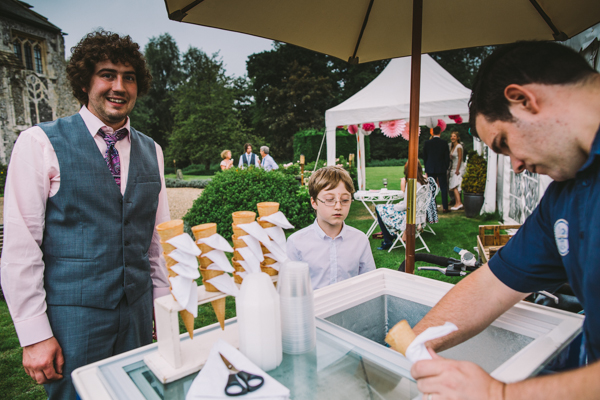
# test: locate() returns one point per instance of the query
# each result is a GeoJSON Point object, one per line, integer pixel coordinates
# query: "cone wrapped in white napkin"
{"type": "Point", "coordinates": [254, 245]}
{"type": "Point", "coordinates": [185, 243]}
{"type": "Point", "coordinates": [225, 284]}
{"type": "Point", "coordinates": [276, 251]}
{"type": "Point", "coordinates": [276, 233]}
{"type": "Point", "coordinates": [278, 219]}
{"type": "Point", "coordinates": [212, 379]}
{"type": "Point", "coordinates": [401, 335]}
{"type": "Point", "coordinates": [217, 242]}
{"type": "Point", "coordinates": [219, 258]}
{"type": "Point", "coordinates": [186, 292]}
{"type": "Point", "coordinates": [255, 230]}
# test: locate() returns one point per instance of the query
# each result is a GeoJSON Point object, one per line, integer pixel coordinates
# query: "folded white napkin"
{"type": "Point", "coordinates": [225, 284]}
{"type": "Point", "coordinates": [212, 379]}
{"type": "Point", "coordinates": [243, 274]}
{"type": "Point", "coordinates": [250, 266]}
{"type": "Point", "coordinates": [276, 251]}
{"type": "Point", "coordinates": [183, 257]}
{"type": "Point", "coordinates": [417, 351]}
{"type": "Point", "coordinates": [276, 265]}
{"type": "Point", "coordinates": [186, 271]}
{"type": "Point", "coordinates": [255, 230]}
{"type": "Point", "coordinates": [278, 219]}
{"type": "Point", "coordinates": [185, 243]}
{"type": "Point", "coordinates": [218, 257]}
{"type": "Point", "coordinates": [186, 293]}
{"type": "Point", "coordinates": [276, 233]}
{"type": "Point", "coordinates": [253, 244]}
{"type": "Point", "coordinates": [251, 258]}
{"type": "Point", "coordinates": [217, 242]}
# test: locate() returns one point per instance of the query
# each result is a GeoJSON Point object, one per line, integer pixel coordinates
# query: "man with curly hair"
{"type": "Point", "coordinates": [82, 260]}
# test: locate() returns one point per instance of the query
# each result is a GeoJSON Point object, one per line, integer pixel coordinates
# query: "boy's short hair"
{"type": "Point", "coordinates": [329, 178]}
{"type": "Point", "coordinates": [224, 154]}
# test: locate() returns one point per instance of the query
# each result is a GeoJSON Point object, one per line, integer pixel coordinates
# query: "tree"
{"type": "Point", "coordinates": [206, 120]}
{"type": "Point", "coordinates": [463, 64]}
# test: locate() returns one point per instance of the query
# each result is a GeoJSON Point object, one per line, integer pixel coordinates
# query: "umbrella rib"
{"type": "Point", "coordinates": [354, 59]}
{"type": "Point", "coordinates": [179, 15]}
{"type": "Point", "coordinates": [558, 35]}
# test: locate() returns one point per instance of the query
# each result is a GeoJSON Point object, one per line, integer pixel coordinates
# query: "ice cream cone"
{"type": "Point", "coordinates": [204, 248]}
{"type": "Point", "coordinates": [219, 307]}
{"type": "Point", "coordinates": [171, 272]}
{"type": "Point", "coordinates": [170, 261]}
{"type": "Point", "coordinates": [167, 248]}
{"type": "Point", "coordinates": [170, 229]}
{"type": "Point", "coordinates": [204, 230]}
{"type": "Point", "coordinates": [267, 208]}
{"type": "Point", "coordinates": [400, 336]}
{"type": "Point", "coordinates": [237, 266]}
{"type": "Point", "coordinates": [264, 249]}
{"type": "Point", "coordinates": [188, 321]}
{"type": "Point", "coordinates": [237, 255]}
{"type": "Point", "coordinates": [238, 231]}
{"type": "Point", "coordinates": [265, 224]}
{"type": "Point", "coordinates": [238, 243]}
{"type": "Point", "coordinates": [237, 279]}
{"type": "Point", "coordinates": [269, 261]}
{"type": "Point", "coordinates": [209, 274]}
{"type": "Point", "coordinates": [243, 217]}
{"type": "Point", "coordinates": [268, 270]}
{"type": "Point", "coordinates": [205, 262]}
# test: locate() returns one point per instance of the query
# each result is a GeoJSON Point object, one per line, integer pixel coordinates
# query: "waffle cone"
{"type": "Point", "coordinates": [268, 270]}
{"type": "Point", "coordinates": [237, 255]}
{"type": "Point", "coordinates": [170, 261]}
{"type": "Point", "coordinates": [243, 217]}
{"type": "Point", "coordinates": [269, 261]}
{"type": "Point", "coordinates": [167, 248]}
{"type": "Point", "coordinates": [172, 274]}
{"type": "Point", "coordinates": [238, 231]}
{"type": "Point", "coordinates": [205, 262]}
{"type": "Point", "coordinates": [237, 279]}
{"type": "Point", "coordinates": [170, 229]}
{"type": "Point", "coordinates": [400, 336]}
{"type": "Point", "coordinates": [188, 321]}
{"type": "Point", "coordinates": [267, 208]}
{"type": "Point", "coordinates": [204, 230]}
{"type": "Point", "coordinates": [265, 224]}
{"type": "Point", "coordinates": [209, 274]}
{"type": "Point", "coordinates": [219, 307]}
{"type": "Point", "coordinates": [264, 249]}
{"type": "Point", "coordinates": [237, 242]}
{"type": "Point", "coordinates": [204, 248]}
{"type": "Point", "coordinates": [237, 266]}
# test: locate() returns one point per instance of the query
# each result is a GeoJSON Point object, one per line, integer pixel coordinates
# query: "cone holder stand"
{"type": "Point", "coordinates": [178, 355]}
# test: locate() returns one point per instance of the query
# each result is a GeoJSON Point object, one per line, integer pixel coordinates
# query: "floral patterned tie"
{"type": "Point", "coordinates": [112, 155]}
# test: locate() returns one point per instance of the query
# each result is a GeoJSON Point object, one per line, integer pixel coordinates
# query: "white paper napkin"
{"type": "Point", "coordinates": [186, 271]}
{"type": "Point", "coordinates": [277, 252]}
{"type": "Point", "coordinates": [250, 256]}
{"type": "Point", "coordinates": [250, 267]}
{"type": "Point", "coordinates": [218, 257]}
{"type": "Point", "coordinates": [185, 243]}
{"type": "Point", "coordinates": [211, 380]}
{"type": "Point", "coordinates": [242, 274]}
{"type": "Point", "coordinates": [225, 284]}
{"type": "Point", "coordinates": [183, 257]}
{"type": "Point", "coordinates": [255, 230]}
{"type": "Point", "coordinates": [276, 233]}
{"type": "Point", "coordinates": [253, 244]}
{"type": "Point", "coordinates": [275, 266]}
{"type": "Point", "coordinates": [217, 242]}
{"type": "Point", "coordinates": [417, 351]}
{"type": "Point", "coordinates": [186, 293]}
{"type": "Point", "coordinates": [278, 219]}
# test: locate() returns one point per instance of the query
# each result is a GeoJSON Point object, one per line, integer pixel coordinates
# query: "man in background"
{"type": "Point", "coordinates": [248, 158]}
{"type": "Point", "coordinates": [436, 156]}
{"type": "Point", "coordinates": [267, 162]}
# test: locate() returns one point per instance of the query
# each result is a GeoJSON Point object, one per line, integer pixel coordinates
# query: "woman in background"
{"type": "Point", "coordinates": [227, 161]}
{"type": "Point", "coordinates": [457, 169]}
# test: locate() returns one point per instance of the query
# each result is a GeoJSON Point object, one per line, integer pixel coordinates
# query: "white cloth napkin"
{"type": "Point", "coordinates": [276, 233]}
{"type": "Point", "coordinates": [186, 293]}
{"type": "Point", "coordinates": [278, 219]}
{"type": "Point", "coordinates": [417, 351]}
{"type": "Point", "coordinates": [211, 380]}
{"type": "Point", "coordinates": [255, 230]}
{"type": "Point", "coordinates": [185, 243]}
{"type": "Point", "coordinates": [225, 284]}
{"type": "Point", "coordinates": [218, 257]}
{"type": "Point", "coordinates": [254, 245]}
{"type": "Point", "coordinates": [277, 252]}
{"type": "Point", "coordinates": [217, 242]}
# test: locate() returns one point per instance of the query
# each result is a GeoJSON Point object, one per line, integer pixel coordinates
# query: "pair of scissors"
{"type": "Point", "coordinates": [240, 382]}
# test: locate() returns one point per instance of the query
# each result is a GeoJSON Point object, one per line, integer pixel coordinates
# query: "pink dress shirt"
{"type": "Point", "coordinates": [34, 176]}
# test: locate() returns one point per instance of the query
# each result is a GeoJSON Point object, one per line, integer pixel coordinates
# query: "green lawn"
{"type": "Point", "coordinates": [453, 229]}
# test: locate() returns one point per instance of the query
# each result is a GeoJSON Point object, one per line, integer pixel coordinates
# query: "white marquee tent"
{"type": "Point", "coordinates": [387, 97]}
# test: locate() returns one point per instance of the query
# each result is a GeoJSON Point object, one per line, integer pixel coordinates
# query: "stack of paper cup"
{"type": "Point", "coordinates": [239, 217]}
{"type": "Point", "coordinates": [265, 209]}
{"type": "Point", "coordinates": [168, 230]}
{"type": "Point", "coordinates": [297, 308]}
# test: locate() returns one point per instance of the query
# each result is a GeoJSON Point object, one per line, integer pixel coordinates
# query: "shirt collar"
{"type": "Point", "coordinates": [94, 123]}
{"type": "Point", "coordinates": [594, 151]}
{"type": "Point", "coordinates": [322, 235]}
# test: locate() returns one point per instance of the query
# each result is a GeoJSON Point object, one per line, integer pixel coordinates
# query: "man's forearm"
{"type": "Point", "coordinates": [471, 305]}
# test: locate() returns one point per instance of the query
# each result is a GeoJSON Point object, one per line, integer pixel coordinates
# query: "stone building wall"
{"type": "Point", "coordinates": [28, 97]}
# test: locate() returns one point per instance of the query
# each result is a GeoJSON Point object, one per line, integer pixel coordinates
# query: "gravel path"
{"type": "Point", "coordinates": [180, 201]}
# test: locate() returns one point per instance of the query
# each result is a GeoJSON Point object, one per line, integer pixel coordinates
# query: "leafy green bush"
{"type": "Point", "coordinates": [240, 190]}
{"type": "Point", "coordinates": [308, 141]}
{"type": "Point", "coordinates": [194, 183]}
{"type": "Point", "coordinates": [476, 174]}
{"type": "Point", "coordinates": [3, 169]}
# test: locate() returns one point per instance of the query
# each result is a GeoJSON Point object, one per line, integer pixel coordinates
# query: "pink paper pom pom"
{"type": "Point", "coordinates": [353, 129]}
{"type": "Point", "coordinates": [457, 118]}
{"type": "Point", "coordinates": [394, 128]}
{"type": "Point", "coordinates": [442, 125]}
{"type": "Point", "coordinates": [369, 127]}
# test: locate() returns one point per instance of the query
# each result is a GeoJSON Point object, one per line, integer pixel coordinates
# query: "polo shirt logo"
{"type": "Point", "coordinates": [561, 236]}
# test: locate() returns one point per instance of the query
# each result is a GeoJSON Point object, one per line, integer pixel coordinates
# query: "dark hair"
{"type": "Point", "coordinates": [420, 177]}
{"type": "Point", "coordinates": [437, 130]}
{"type": "Point", "coordinates": [522, 63]}
{"type": "Point", "coordinates": [100, 46]}
{"type": "Point", "coordinates": [246, 146]}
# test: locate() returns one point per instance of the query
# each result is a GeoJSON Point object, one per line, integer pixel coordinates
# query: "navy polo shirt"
{"type": "Point", "coordinates": [560, 242]}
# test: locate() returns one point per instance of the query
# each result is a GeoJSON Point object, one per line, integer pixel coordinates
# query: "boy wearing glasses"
{"type": "Point", "coordinates": [333, 250]}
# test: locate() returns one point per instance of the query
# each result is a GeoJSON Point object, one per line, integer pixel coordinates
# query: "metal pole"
{"type": "Point", "coordinates": [413, 143]}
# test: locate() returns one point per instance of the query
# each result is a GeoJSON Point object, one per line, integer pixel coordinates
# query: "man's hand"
{"type": "Point", "coordinates": [44, 361]}
{"type": "Point", "coordinates": [449, 379]}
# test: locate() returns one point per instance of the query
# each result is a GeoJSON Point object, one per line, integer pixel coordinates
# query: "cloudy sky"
{"type": "Point", "coordinates": [143, 19]}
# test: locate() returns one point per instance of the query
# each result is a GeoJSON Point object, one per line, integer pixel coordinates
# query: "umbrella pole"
{"type": "Point", "coordinates": [413, 143]}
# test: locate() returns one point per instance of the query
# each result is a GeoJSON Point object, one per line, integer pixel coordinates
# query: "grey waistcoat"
{"type": "Point", "coordinates": [96, 241]}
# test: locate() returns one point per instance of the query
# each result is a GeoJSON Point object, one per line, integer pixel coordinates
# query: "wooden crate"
{"type": "Point", "coordinates": [488, 244]}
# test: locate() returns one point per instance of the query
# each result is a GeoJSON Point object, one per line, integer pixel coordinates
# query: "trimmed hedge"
{"type": "Point", "coordinates": [179, 183]}
{"type": "Point", "coordinates": [307, 142]}
{"type": "Point", "coordinates": [240, 190]}
{"type": "Point", "coordinates": [476, 174]}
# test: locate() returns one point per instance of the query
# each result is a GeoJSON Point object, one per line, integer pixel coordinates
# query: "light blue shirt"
{"type": "Point", "coordinates": [331, 260]}
{"type": "Point", "coordinates": [268, 163]}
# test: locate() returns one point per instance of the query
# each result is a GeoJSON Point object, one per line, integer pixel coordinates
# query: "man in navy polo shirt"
{"type": "Point", "coordinates": [539, 104]}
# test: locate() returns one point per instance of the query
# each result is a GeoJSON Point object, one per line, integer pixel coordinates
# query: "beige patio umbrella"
{"type": "Point", "coordinates": [359, 31]}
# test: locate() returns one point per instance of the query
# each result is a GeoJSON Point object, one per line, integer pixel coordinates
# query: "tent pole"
{"type": "Point", "coordinates": [413, 143]}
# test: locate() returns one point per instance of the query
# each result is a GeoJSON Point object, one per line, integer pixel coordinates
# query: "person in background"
{"type": "Point", "coordinates": [267, 161]}
{"type": "Point", "coordinates": [82, 261]}
{"type": "Point", "coordinates": [436, 157]}
{"type": "Point", "coordinates": [457, 169]}
{"type": "Point", "coordinates": [227, 161]}
{"type": "Point", "coordinates": [333, 250]}
{"type": "Point", "coordinates": [248, 158]}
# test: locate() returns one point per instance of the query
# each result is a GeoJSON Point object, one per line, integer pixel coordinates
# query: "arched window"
{"type": "Point", "coordinates": [37, 52]}
{"type": "Point", "coordinates": [28, 56]}
{"type": "Point", "coordinates": [17, 49]}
